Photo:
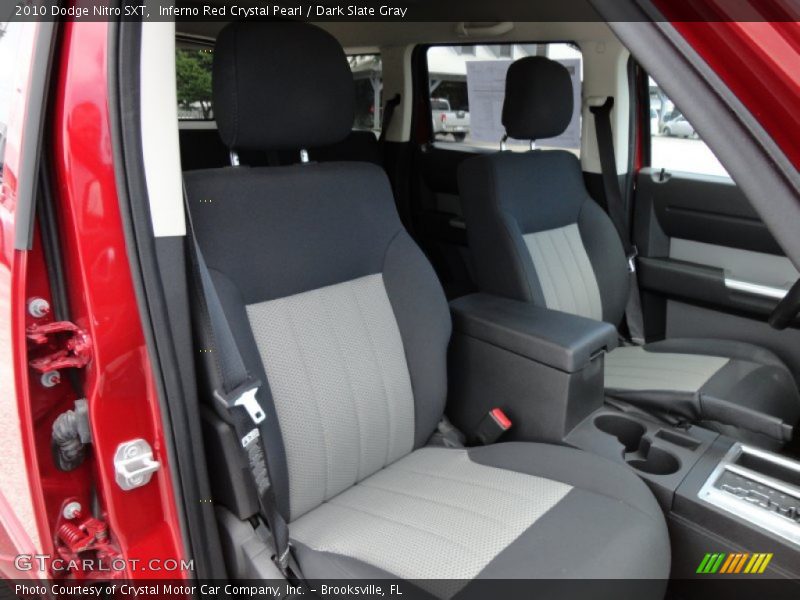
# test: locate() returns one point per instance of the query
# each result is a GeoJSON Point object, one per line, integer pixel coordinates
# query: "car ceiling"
{"type": "Point", "coordinates": [374, 34]}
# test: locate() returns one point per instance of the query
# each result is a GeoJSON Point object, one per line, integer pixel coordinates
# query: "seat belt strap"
{"type": "Point", "coordinates": [616, 210]}
{"type": "Point", "coordinates": [388, 112]}
{"type": "Point", "coordinates": [236, 392]}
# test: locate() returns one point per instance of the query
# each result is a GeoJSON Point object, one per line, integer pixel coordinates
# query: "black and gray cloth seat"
{"type": "Point", "coordinates": [335, 307]}
{"type": "Point", "coordinates": [535, 235]}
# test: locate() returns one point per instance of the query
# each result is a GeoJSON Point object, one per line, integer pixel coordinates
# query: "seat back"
{"type": "Point", "coordinates": [331, 302]}
{"type": "Point", "coordinates": [534, 232]}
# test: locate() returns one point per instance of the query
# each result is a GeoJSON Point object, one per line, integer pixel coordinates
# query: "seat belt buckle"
{"type": "Point", "coordinates": [491, 427]}
{"type": "Point", "coordinates": [244, 396]}
{"type": "Point", "coordinates": [632, 259]}
{"type": "Point", "coordinates": [264, 534]}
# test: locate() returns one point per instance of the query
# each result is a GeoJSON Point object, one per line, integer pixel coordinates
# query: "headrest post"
{"type": "Point", "coordinates": [503, 146]}
{"type": "Point", "coordinates": [234, 158]}
{"type": "Point", "coordinates": [303, 155]}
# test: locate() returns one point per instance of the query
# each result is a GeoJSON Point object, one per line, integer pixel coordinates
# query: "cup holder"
{"type": "Point", "coordinates": [638, 450]}
{"type": "Point", "coordinates": [655, 461]}
{"type": "Point", "coordinates": [627, 431]}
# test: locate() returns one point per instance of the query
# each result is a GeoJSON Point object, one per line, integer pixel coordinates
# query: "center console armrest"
{"type": "Point", "coordinates": [543, 368]}
{"type": "Point", "coordinates": [560, 340]}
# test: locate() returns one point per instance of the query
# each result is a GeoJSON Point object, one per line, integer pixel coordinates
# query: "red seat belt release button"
{"type": "Point", "coordinates": [491, 427]}
{"type": "Point", "coordinates": [500, 418]}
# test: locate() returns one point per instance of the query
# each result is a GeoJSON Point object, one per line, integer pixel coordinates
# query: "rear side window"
{"type": "Point", "coordinates": [10, 42]}
{"type": "Point", "coordinates": [674, 143]}
{"type": "Point", "coordinates": [368, 79]}
{"type": "Point", "coordinates": [193, 79]}
{"type": "Point", "coordinates": [193, 64]}
{"type": "Point", "coordinates": [466, 84]}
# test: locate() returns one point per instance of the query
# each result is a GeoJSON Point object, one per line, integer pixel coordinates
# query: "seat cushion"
{"type": "Point", "coordinates": [686, 373]}
{"type": "Point", "coordinates": [640, 368]}
{"type": "Point", "coordinates": [442, 517]}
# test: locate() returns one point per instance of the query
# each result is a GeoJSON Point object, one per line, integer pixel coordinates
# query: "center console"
{"type": "Point", "coordinates": [761, 487]}
{"type": "Point", "coordinates": [661, 454]}
{"type": "Point", "coordinates": [545, 370]}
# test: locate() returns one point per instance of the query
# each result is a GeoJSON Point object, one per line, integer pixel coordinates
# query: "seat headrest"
{"type": "Point", "coordinates": [538, 102]}
{"type": "Point", "coordinates": [280, 85]}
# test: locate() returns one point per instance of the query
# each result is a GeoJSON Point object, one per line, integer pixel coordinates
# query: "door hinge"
{"type": "Point", "coordinates": [59, 345]}
{"type": "Point", "coordinates": [84, 544]}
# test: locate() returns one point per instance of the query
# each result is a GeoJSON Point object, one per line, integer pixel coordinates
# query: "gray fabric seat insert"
{"type": "Point", "coordinates": [336, 366]}
{"type": "Point", "coordinates": [635, 368]}
{"type": "Point", "coordinates": [606, 525]}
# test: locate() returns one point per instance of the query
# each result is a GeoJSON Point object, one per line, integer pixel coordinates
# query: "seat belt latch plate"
{"type": "Point", "coordinates": [245, 397]}
{"type": "Point", "coordinates": [632, 259]}
{"type": "Point", "coordinates": [251, 405]}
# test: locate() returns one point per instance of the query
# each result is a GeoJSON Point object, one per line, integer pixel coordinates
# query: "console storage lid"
{"type": "Point", "coordinates": [560, 340]}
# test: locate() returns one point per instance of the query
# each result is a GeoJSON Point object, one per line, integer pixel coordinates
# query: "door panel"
{"type": "Point", "coordinates": [708, 266]}
{"type": "Point", "coordinates": [705, 208]}
{"type": "Point", "coordinates": [767, 271]}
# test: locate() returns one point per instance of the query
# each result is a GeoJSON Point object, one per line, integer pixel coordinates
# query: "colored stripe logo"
{"type": "Point", "coordinates": [734, 563]}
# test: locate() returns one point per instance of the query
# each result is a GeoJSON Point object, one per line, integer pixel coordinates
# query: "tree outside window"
{"type": "Point", "coordinates": [193, 74]}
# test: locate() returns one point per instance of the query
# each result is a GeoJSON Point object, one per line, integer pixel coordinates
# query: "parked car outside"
{"type": "Point", "coordinates": [679, 127]}
{"type": "Point", "coordinates": [446, 120]}
{"type": "Point", "coordinates": [654, 126]}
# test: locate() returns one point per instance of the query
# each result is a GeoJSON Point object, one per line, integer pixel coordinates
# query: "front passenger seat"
{"type": "Point", "coordinates": [339, 312]}
{"type": "Point", "coordinates": [535, 235]}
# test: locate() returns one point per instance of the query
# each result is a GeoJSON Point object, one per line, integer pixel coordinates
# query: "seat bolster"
{"type": "Point", "coordinates": [337, 568]}
{"type": "Point", "coordinates": [587, 536]}
{"type": "Point", "coordinates": [423, 319]}
{"type": "Point", "coordinates": [502, 263]}
{"type": "Point", "coordinates": [768, 390]}
{"type": "Point", "coordinates": [581, 470]}
{"type": "Point", "coordinates": [609, 526]}
{"type": "Point", "coordinates": [318, 564]}
{"type": "Point", "coordinates": [605, 252]}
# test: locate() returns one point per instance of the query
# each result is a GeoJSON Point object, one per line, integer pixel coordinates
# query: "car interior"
{"type": "Point", "coordinates": [527, 333]}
